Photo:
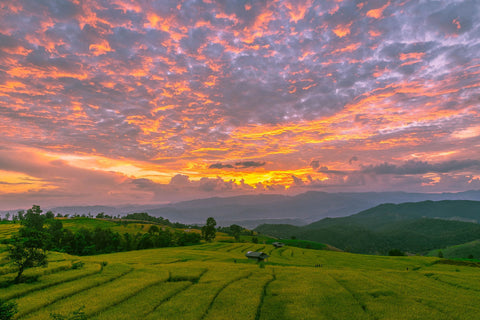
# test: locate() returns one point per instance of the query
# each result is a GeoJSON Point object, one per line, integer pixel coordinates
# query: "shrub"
{"type": "Point", "coordinates": [7, 310]}
{"type": "Point", "coordinates": [396, 252]}
{"type": "Point", "coordinates": [77, 265]}
{"type": "Point", "coordinates": [75, 315]}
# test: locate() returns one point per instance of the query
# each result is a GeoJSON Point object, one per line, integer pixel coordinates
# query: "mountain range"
{"type": "Point", "coordinates": [410, 227]}
{"type": "Point", "coordinates": [253, 210]}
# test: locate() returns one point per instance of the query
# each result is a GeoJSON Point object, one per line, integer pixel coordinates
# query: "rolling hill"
{"type": "Point", "coordinates": [469, 250]}
{"type": "Point", "coordinates": [413, 227]}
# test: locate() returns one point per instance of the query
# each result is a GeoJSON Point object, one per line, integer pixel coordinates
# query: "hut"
{"type": "Point", "coordinates": [278, 244]}
{"type": "Point", "coordinates": [259, 256]}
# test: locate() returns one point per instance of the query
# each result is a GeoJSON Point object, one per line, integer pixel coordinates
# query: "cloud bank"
{"type": "Point", "coordinates": [135, 100]}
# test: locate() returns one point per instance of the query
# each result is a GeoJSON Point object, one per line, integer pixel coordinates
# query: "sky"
{"type": "Point", "coordinates": [119, 101]}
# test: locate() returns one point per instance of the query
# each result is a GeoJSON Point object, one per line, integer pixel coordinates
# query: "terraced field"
{"type": "Point", "coordinates": [216, 281]}
{"type": "Point", "coordinates": [8, 229]}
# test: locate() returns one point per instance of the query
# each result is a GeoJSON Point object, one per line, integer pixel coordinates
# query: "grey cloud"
{"type": "Point", "coordinates": [249, 164]}
{"type": "Point", "coordinates": [7, 41]}
{"type": "Point", "coordinates": [353, 159]}
{"type": "Point", "coordinates": [180, 180]}
{"type": "Point", "coordinates": [446, 19]}
{"type": "Point", "coordinates": [196, 37]}
{"type": "Point", "coordinates": [421, 167]}
{"type": "Point", "coordinates": [220, 166]}
{"type": "Point", "coordinates": [297, 181]}
{"type": "Point", "coordinates": [143, 183]}
{"type": "Point", "coordinates": [238, 165]}
{"type": "Point", "coordinates": [325, 169]}
{"type": "Point", "coordinates": [58, 9]}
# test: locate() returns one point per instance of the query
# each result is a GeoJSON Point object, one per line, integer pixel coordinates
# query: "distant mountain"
{"type": "Point", "coordinates": [93, 210]}
{"type": "Point", "coordinates": [303, 208]}
{"type": "Point", "coordinates": [413, 227]}
{"type": "Point", "coordinates": [384, 215]}
{"type": "Point", "coordinates": [252, 210]}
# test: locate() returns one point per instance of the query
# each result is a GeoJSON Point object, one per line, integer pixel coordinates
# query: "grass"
{"type": "Point", "coordinates": [38, 304]}
{"type": "Point", "coordinates": [469, 250]}
{"type": "Point", "coordinates": [216, 281]}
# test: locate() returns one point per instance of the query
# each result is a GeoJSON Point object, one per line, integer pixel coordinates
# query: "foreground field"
{"type": "Point", "coordinates": [216, 281]}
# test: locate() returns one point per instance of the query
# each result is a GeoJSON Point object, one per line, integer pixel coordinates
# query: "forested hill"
{"type": "Point", "coordinates": [413, 227]}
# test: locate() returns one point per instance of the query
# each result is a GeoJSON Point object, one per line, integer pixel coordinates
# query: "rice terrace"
{"type": "Point", "coordinates": [216, 281]}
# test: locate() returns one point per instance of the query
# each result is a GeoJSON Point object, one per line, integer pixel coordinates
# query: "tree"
{"type": "Point", "coordinates": [208, 230]}
{"type": "Point", "coordinates": [7, 310]}
{"type": "Point", "coordinates": [153, 229]}
{"type": "Point", "coordinates": [49, 215]}
{"type": "Point", "coordinates": [28, 248]}
{"type": "Point", "coordinates": [396, 252]}
{"type": "Point", "coordinates": [235, 229]}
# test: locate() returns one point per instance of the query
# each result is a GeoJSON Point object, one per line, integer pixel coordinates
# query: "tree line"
{"type": "Point", "coordinates": [40, 233]}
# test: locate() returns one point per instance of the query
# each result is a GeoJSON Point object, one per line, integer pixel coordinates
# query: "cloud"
{"type": "Point", "coordinates": [422, 167]}
{"type": "Point", "coordinates": [238, 165]}
{"type": "Point", "coordinates": [249, 164]}
{"type": "Point", "coordinates": [352, 159]}
{"type": "Point", "coordinates": [220, 166]}
{"type": "Point", "coordinates": [175, 85]}
{"type": "Point", "coordinates": [315, 164]}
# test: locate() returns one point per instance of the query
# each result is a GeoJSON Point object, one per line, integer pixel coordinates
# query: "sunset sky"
{"type": "Point", "coordinates": [117, 101]}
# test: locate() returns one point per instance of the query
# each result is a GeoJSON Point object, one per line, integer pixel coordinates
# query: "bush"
{"type": "Point", "coordinates": [75, 315]}
{"type": "Point", "coordinates": [396, 252]}
{"type": "Point", "coordinates": [77, 265]}
{"type": "Point", "coordinates": [7, 310]}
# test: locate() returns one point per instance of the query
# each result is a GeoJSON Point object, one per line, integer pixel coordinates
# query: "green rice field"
{"type": "Point", "coordinates": [216, 281]}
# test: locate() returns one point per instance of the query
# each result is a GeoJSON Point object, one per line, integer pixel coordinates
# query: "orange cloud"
{"type": "Point", "coordinates": [412, 55]}
{"type": "Point", "coordinates": [342, 30]}
{"type": "Point", "coordinates": [100, 48]}
{"type": "Point", "coordinates": [457, 23]}
{"type": "Point", "coordinates": [297, 10]}
{"type": "Point", "coordinates": [377, 13]}
{"type": "Point", "coordinates": [350, 48]}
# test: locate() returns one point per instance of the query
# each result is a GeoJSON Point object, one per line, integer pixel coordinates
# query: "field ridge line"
{"type": "Point", "coordinates": [20, 316]}
{"type": "Point", "coordinates": [264, 293]}
{"type": "Point", "coordinates": [21, 294]}
{"type": "Point", "coordinates": [189, 284]}
{"type": "Point", "coordinates": [233, 247]}
{"type": "Point", "coordinates": [407, 282]}
{"type": "Point", "coordinates": [221, 289]}
{"type": "Point", "coordinates": [175, 292]}
{"type": "Point", "coordinates": [96, 313]}
{"type": "Point", "coordinates": [454, 285]}
{"type": "Point", "coordinates": [355, 297]}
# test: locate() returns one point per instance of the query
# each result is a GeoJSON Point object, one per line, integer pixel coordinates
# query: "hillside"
{"type": "Point", "coordinates": [216, 281]}
{"type": "Point", "coordinates": [469, 250]}
{"type": "Point", "coordinates": [413, 227]}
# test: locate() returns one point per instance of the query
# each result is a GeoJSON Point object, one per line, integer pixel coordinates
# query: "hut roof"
{"type": "Point", "coordinates": [256, 255]}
